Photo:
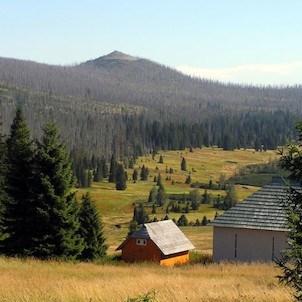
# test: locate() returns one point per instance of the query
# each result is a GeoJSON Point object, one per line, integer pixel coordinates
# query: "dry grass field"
{"type": "Point", "coordinates": [36, 281]}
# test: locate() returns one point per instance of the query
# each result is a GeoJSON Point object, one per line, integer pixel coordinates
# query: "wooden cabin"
{"type": "Point", "coordinates": [255, 229]}
{"type": "Point", "coordinates": [162, 242]}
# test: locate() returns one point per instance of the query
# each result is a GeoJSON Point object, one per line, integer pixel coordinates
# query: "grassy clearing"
{"type": "Point", "coordinates": [37, 281]}
{"type": "Point", "coordinates": [203, 164]}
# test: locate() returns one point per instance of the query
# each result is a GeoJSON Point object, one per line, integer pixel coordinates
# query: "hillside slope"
{"type": "Point", "coordinates": [132, 94]}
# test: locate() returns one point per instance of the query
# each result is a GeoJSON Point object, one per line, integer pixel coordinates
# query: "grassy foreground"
{"type": "Point", "coordinates": [36, 281]}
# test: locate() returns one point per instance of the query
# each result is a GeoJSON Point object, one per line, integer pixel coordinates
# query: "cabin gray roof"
{"type": "Point", "coordinates": [262, 210]}
{"type": "Point", "coordinates": [166, 235]}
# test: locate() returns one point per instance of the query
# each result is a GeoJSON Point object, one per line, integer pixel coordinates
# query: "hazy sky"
{"type": "Point", "coordinates": [242, 41]}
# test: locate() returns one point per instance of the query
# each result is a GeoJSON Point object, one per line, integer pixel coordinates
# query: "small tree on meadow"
{"type": "Point", "coordinates": [161, 196]}
{"type": "Point", "coordinates": [204, 221]}
{"type": "Point", "coordinates": [182, 221]}
{"type": "Point", "coordinates": [144, 173]}
{"type": "Point", "coordinates": [188, 179]}
{"type": "Point", "coordinates": [113, 169]}
{"type": "Point", "coordinates": [159, 180]}
{"type": "Point", "coordinates": [231, 197]}
{"type": "Point", "coordinates": [140, 215]}
{"type": "Point", "coordinates": [152, 195]}
{"type": "Point", "coordinates": [133, 227]}
{"type": "Point", "coordinates": [135, 175]}
{"type": "Point", "coordinates": [183, 165]}
{"type": "Point", "coordinates": [120, 183]}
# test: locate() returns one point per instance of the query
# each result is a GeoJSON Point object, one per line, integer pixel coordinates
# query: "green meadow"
{"type": "Point", "coordinates": [203, 165]}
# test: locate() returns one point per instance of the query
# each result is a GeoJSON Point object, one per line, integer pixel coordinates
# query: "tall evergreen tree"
{"type": "Point", "coordinates": [57, 209]}
{"type": "Point", "coordinates": [161, 196]}
{"type": "Point", "coordinates": [113, 168]}
{"type": "Point", "coordinates": [19, 204]}
{"type": "Point", "coordinates": [140, 215]}
{"type": "Point", "coordinates": [105, 167]}
{"type": "Point", "coordinates": [120, 178]}
{"type": "Point", "coordinates": [134, 175]}
{"type": "Point", "coordinates": [152, 195]}
{"type": "Point", "coordinates": [183, 164]}
{"type": "Point", "coordinates": [91, 230]}
{"type": "Point", "coordinates": [291, 260]}
{"type": "Point", "coordinates": [133, 227]}
{"type": "Point", "coordinates": [144, 173]}
{"type": "Point", "coordinates": [231, 197]}
{"type": "Point", "coordinates": [98, 174]}
{"type": "Point", "coordinates": [159, 180]}
{"type": "Point", "coordinates": [2, 181]}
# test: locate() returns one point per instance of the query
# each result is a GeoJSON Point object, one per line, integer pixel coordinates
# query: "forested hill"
{"type": "Point", "coordinates": [123, 104]}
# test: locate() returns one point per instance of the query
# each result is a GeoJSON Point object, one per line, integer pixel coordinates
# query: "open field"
{"type": "Point", "coordinates": [116, 207]}
{"type": "Point", "coordinates": [37, 281]}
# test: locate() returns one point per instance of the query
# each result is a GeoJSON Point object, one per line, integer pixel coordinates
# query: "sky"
{"type": "Point", "coordinates": [255, 42]}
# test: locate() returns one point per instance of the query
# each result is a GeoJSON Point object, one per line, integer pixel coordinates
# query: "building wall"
{"type": "Point", "coordinates": [132, 252]}
{"type": "Point", "coordinates": [179, 258]}
{"type": "Point", "coordinates": [234, 244]}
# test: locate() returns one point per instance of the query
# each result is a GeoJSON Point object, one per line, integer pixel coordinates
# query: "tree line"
{"type": "Point", "coordinates": [40, 216]}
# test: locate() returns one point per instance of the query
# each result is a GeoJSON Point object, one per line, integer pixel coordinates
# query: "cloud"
{"type": "Point", "coordinates": [255, 74]}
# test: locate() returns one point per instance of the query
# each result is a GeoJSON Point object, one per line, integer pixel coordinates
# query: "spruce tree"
{"type": "Point", "coordinates": [182, 221]}
{"type": "Point", "coordinates": [152, 195]}
{"type": "Point", "coordinates": [183, 164]}
{"type": "Point", "coordinates": [161, 196]}
{"type": "Point", "coordinates": [2, 181]}
{"type": "Point", "coordinates": [291, 260]}
{"type": "Point", "coordinates": [133, 227]}
{"type": "Point", "coordinates": [98, 174]}
{"type": "Point", "coordinates": [134, 175]}
{"type": "Point", "coordinates": [91, 230]}
{"type": "Point", "coordinates": [140, 215]}
{"type": "Point", "coordinates": [120, 178]}
{"type": "Point", "coordinates": [159, 180]}
{"type": "Point", "coordinates": [104, 167]}
{"type": "Point", "coordinates": [113, 168]}
{"type": "Point", "coordinates": [57, 210]}
{"type": "Point", "coordinates": [231, 197]}
{"type": "Point", "coordinates": [19, 204]}
{"type": "Point", "coordinates": [144, 173]}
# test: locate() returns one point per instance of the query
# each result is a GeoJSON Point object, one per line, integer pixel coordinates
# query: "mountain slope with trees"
{"type": "Point", "coordinates": [150, 105]}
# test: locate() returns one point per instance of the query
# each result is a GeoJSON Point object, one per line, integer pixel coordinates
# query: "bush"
{"type": "Point", "coordinates": [147, 297]}
{"type": "Point", "coordinates": [200, 258]}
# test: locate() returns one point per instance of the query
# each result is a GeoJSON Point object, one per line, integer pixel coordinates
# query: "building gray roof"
{"type": "Point", "coordinates": [262, 210]}
{"type": "Point", "coordinates": [166, 235]}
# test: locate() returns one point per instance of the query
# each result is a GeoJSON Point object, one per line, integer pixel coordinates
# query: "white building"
{"type": "Point", "coordinates": [253, 230]}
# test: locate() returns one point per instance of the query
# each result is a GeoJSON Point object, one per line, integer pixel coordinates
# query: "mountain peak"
{"type": "Point", "coordinates": [118, 55]}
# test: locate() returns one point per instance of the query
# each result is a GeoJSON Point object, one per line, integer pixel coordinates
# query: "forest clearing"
{"type": "Point", "coordinates": [204, 164]}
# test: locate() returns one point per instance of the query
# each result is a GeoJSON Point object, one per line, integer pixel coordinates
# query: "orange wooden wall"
{"type": "Point", "coordinates": [132, 252]}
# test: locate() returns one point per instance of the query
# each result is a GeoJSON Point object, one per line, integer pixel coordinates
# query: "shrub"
{"type": "Point", "coordinates": [147, 297]}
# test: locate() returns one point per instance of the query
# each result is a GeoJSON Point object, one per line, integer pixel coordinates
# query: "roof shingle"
{"type": "Point", "coordinates": [262, 210]}
{"type": "Point", "coordinates": [166, 235]}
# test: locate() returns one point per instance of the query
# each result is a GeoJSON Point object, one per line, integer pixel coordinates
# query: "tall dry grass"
{"type": "Point", "coordinates": [37, 281]}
